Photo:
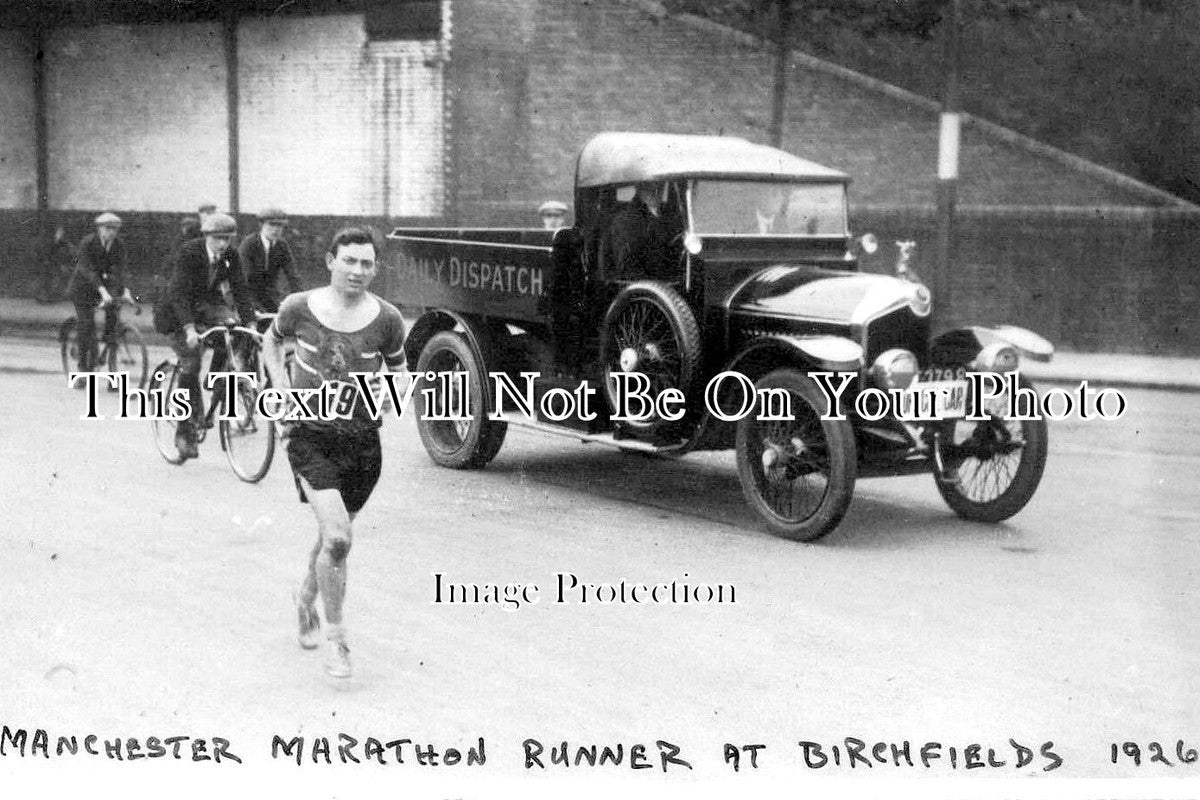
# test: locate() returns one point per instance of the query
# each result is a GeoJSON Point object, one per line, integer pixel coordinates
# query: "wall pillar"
{"type": "Point", "coordinates": [229, 29]}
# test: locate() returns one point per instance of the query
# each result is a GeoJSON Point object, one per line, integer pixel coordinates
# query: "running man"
{"type": "Point", "coordinates": [339, 329]}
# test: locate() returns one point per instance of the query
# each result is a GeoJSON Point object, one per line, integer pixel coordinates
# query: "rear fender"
{"type": "Point", "coordinates": [477, 333]}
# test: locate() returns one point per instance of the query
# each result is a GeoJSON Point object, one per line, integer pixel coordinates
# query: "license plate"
{"type": "Point", "coordinates": [946, 399]}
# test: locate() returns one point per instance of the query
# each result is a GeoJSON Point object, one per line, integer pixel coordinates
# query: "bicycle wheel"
{"type": "Point", "coordinates": [249, 438]}
{"type": "Point", "coordinates": [165, 378]}
{"type": "Point", "coordinates": [68, 346]}
{"type": "Point", "coordinates": [128, 354]}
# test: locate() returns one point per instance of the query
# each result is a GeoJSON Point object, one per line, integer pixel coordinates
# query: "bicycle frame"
{"type": "Point", "coordinates": [221, 338]}
{"type": "Point", "coordinates": [227, 332]}
{"type": "Point", "coordinates": [106, 345]}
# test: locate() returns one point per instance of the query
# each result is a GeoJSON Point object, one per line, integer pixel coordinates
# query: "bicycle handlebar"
{"type": "Point", "coordinates": [230, 329]}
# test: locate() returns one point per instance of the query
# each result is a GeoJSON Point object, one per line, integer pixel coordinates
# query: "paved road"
{"type": "Point", "coordinates": [145, 599]}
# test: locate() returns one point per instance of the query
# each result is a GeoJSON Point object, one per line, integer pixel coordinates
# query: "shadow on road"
{"type": "Point", "coordinates": [883, 514]}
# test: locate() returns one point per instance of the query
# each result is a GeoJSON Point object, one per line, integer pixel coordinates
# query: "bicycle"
{"type": "Point", "coordinates": [121, 350]}
{"type": "Point", "coordinates": [248, 439]}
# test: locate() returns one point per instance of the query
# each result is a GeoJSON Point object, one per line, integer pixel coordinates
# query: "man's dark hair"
{"type": "Point", "coordinates": [352, 236]}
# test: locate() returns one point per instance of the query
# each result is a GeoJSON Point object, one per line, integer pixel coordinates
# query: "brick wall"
{"type": "Point", "coordinates": [136, 116]}
{"type": "Point", "coordinates": [528, 81]}
{"type": "Point", "coordinates": [18, 167]}
{"type": "Point", "coordinates": [305, 90]}
{"type": "Point", "coordinates": [408, 161]}
{"type": "Point", "coordinates": [534, 79]}
{"type": "Point", "coordinates": [1122, 280]}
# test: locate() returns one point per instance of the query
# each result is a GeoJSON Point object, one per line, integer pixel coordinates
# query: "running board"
{"type": "Point", "coordinates": [594, 438]}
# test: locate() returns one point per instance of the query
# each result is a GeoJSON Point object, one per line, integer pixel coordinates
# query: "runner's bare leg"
{"type": "Point", "coordinates": [327, 564]}
{"type": "Point", "coordinates": [310, 586]}
{"type": "Point", "coordinates": [308, 589]}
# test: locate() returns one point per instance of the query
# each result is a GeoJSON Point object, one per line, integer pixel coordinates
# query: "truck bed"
{"type": "Point", "coordinates": [495, 272]}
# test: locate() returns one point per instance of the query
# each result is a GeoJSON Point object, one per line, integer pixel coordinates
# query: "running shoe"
{"type": "Point", "coordinates": [337, 657]}
{"type": "Point", "coordinates": [310, 625]}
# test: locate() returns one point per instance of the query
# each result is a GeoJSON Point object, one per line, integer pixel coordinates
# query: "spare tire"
{"type": "Point", "coordinates": [650, 329]}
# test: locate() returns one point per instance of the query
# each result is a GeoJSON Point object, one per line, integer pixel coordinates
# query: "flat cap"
{"type": "Point", "coordinates": [216, 224]}
{"type": "Point", "coordinates": [552, 207]}
{"type": "Point", "coordinates": [273, 215]}
{"type": "Point", "coordinates": [108, 219]}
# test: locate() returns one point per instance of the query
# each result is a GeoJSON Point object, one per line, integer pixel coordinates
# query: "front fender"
{"type": "Point", "coordinates": [962, 345]}
{"type": "Point", "coordinates": [833, 353]}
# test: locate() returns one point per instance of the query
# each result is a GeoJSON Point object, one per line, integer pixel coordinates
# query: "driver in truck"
{"type": "Point", "coordinates": [640, 235]}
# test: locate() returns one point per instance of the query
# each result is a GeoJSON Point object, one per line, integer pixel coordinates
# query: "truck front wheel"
{"type": "Point", "coordinates": [798, 473]}
{"type": "Point", "coordinates": [990, 469]}
{"type": "Point", "coordinates": [459, 435]}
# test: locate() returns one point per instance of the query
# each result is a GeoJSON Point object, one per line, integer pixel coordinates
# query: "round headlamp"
{"type": "Point", "coordinates": [921, 301]}
{"type": "Point", "coordinates": [997, 357]}
{"type": "Point", "coordinates": [894, 369]}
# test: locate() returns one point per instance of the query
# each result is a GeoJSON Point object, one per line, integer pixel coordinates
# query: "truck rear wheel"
{"type": "Point", "coordinates": [651, 330]}
{"type": "Point", "coordinates": [474, 440]}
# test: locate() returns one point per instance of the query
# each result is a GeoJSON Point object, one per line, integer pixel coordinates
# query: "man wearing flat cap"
{"type": "Point", "coordinates": [207, 289]}
{"type": "Point", "coordinates": [99, 277]}
{"type": "Point", "coordinates": [553, 214]}
{"type": "Point", "coordinates": [264, 255]}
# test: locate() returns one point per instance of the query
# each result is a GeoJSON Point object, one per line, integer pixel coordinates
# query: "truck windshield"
{"type": "Point", "coordinates": [769, 209]}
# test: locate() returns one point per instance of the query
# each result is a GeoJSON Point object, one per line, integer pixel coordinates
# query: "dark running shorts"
{"type": "Point", "coordinates": [348, 461]}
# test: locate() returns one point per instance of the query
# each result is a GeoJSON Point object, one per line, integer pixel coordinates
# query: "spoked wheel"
{"type": "Point", "coordinates": [466, 443]}
{"type": "Point", "coordinates": [988, 470]}
{"type": "Point", "coordinates": [650, 329]}
{"type": "Point", "coordinates": [165, 379]}
{"type": "Point", "coordinates": [128, 354]}
{"type": "Point", "coordinates": [249, 438]}
{"type": "Point", "coordinates": [798, 473]}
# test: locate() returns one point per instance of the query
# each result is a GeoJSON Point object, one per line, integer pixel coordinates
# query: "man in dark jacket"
{"type": "Point", "coordinates": [264, 254]}
{"type": "Point", "coordinates": [99, 277]}
{"type": "Point", "coordinates": [640, 236]}
{"type": "Point", "coordinates": [207, 287]}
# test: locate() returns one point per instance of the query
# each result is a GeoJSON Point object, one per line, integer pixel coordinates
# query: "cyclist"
{"type": "Point", "coordinates": [264, 255]}
{"type": "Point", "coordinates": [207, 289]}
{"type": "Point", "coordinates": [340, 329]}
{"type": "Point", "coordinates": [99, 276]}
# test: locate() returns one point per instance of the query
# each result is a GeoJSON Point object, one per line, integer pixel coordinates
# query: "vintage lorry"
{"type": "Point", "coordinates": [760, 280]}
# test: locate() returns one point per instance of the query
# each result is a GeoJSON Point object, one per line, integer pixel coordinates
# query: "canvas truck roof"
{"type": "Point", "coordinates": [623, 158]}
